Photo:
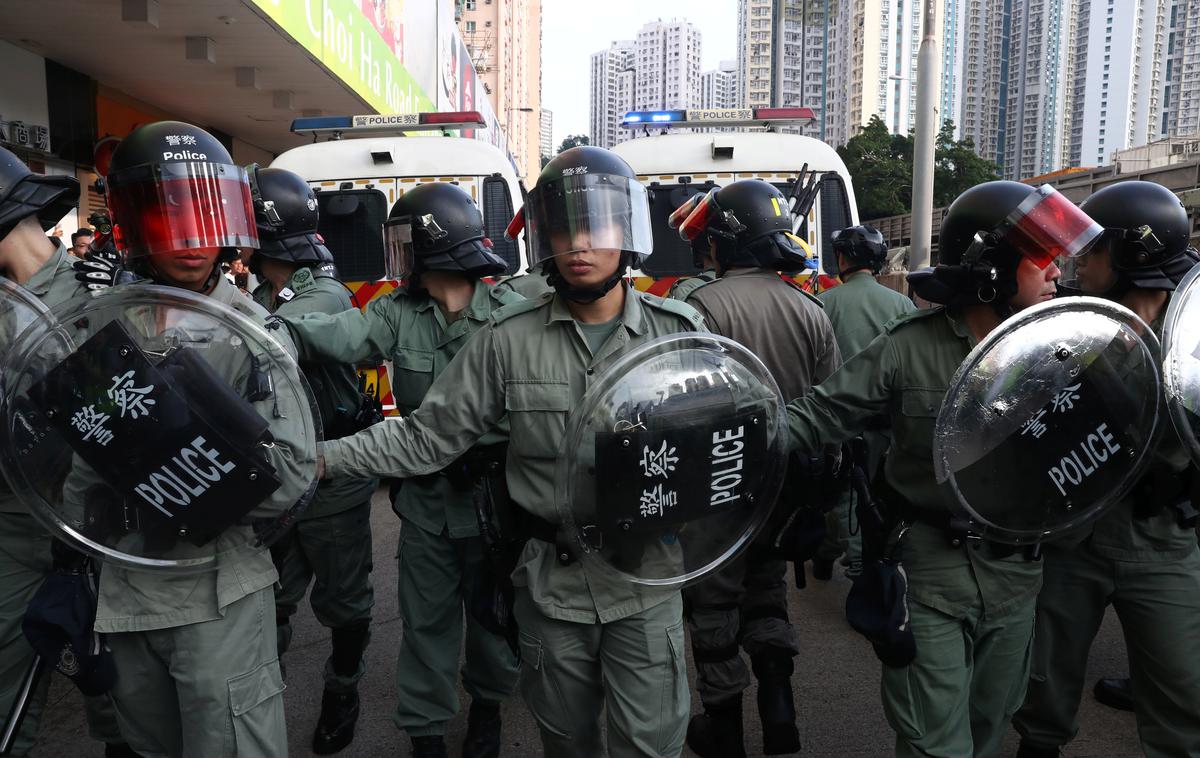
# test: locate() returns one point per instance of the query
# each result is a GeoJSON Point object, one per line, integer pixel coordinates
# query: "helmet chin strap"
{"type": "Point", "coordinates": [585, 294]}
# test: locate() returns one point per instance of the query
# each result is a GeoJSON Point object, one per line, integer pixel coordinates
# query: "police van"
{"type": "Point", "coordinates": [360, 165]}
{"type": "Point", "coordinates": [673, 164]}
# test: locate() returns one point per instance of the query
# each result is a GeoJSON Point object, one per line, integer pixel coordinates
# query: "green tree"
{"type": "Point", "coordinates": [880, 166]}
{"type": "Point", "coordinates": [574, 140]}
{"type": "Point", "coordinates": [881, 163]}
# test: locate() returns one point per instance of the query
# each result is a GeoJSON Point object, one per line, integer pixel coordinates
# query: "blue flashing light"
{"type": "Point", "coordinates": [321, 122]}
{"type": "Point", "coordinates": [656, 117]}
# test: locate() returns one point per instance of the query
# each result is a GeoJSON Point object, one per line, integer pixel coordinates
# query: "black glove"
{"type": "Point", "coordinates": [99, 270]}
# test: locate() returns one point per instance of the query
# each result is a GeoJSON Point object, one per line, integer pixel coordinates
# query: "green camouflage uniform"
{"type": "Point", "coordinates": [440, 551]}
{"type": "Point", "coordinates": [331, 541]}
{"type": "Point", "coordinates": [1147, 567]}
{"type": "Point", "coordinates": [971, 612]}
{"type": "Point", "coordinates": [589, 642]}
{"type": "Point", "coordinates": [858, 308]}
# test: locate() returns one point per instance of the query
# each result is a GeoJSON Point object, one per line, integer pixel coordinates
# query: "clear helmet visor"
{"type": "Point", "coordinates": [398, 249]}
{"type": "Point", "coordinates": [588, 212]}
{"type": "Point", "coordinates": [168, 207]}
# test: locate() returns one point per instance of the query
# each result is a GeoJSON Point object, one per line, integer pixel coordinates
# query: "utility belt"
{"type": "Point", "coordinates": [959, 535]}
{"type": "Point", "coordinates": [1163, 488]}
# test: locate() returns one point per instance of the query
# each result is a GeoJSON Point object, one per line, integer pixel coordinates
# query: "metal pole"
{"type": "Point", "coordinates": [21, 703]}
{"type": "Point", "coordinates": [923, 150]}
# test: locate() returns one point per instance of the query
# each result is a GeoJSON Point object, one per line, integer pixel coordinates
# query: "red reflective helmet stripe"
{"type": "Point", "coordinates": [1048, 225]}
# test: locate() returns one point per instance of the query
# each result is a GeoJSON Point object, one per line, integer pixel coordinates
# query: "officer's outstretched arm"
{"type": "Point", "coordinates": [840, 408]}
{"type": "Point", "coordinates": [465, 402]}
{"type": "Point", "coordinates": [348, 337]}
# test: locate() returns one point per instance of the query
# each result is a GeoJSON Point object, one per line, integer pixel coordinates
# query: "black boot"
{"type": "Point", "coordinates": [483, 730]}
{"type": "Point", "coordinates": [1115, 692]}
{"type": "Point", "coordinates": [717, 733]}
{"type": "Point", "coordinates": [822, 569]}
{"type": "Point", "coordinates": [119, 750]}
{"type": "Point", "coordinates": [433, 746]}
{"type": "Point", "coordinates": [339, 710]}
{"type": "Point", "coordinates": [1029, 750]}
{"type": "Point", "coordinates": [776, 706]}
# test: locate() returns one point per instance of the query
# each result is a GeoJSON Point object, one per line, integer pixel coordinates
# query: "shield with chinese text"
{"type": "Point", "coordinates": [158, 429]}
{"type": "Point", "coordinates": [1050, 420]}
{"type": "Point", "coordinates": [1181, 361]}
{"type": "Point", "coordinates": [673, 460]}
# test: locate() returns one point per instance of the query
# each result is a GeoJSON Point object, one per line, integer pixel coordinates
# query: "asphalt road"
{"type": "Point", "coordinates": [836, 683]}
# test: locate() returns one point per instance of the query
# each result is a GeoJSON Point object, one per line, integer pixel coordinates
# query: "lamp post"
{"type": "Point", "coordinates": [504, 126]}
{"type": "Point", "coordinates": [923, 150]}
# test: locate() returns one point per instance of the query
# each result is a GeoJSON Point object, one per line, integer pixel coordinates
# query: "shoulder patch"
{"type": "Point", "coordinates": [908, 318]}
{"type": "Point", "coordinates": [675, 307]}
{"type": "Point", "coordinates": [302, 281]}
{"type": "Point", "coordinates": [518, 307]}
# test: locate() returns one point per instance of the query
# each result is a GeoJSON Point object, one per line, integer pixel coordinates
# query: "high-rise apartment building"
{"type": "Point", "coordinates": [667, 66]}
{"type": "Point", "coordinates": [784, 56]}
{"type": "Point", "coordinates": [504, 40]}
{"type": "Point", "coordinates": [546, 135]}
{"type": "Point", "coordinates": [1037, 117]}
{"type": "Point", "coordinates": [612, 86]}
{"type": "Point", "coordinates": [974, 82]}
{"type": "Point", "coordinates": [874, 71]}
{"type": "Point", "coordinates": [1180, 100]}
{"type": "Point", "coordinates": [718, 88]}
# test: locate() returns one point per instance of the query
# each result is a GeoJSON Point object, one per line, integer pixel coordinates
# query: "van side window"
{"type": "Point", "coordinates": [497, 208]}
{"type": "Point", "coordinates": [351, 221]}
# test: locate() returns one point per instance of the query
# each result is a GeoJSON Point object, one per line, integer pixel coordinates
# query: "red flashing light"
{"type": "Point", "coordinates": [765, 113]}
{"type": "Point", "coordinates": [453, 117]}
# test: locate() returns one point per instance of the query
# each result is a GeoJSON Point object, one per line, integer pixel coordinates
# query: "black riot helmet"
{"type": "Point", "coordinates": [1146, 230]}
{"type": "Point", "coordinates": [862, 246]}
{"type": "Point", "coordinates": [172, 186]}
{"type": "Point", "coordinates": [986, 232]}
{"type": "Point", "coordinates": [437, 227]}
{"type": "Point", "coordinates": [285, 212]}
{"type": "Point", "coordinates": [751, 222]}
{"type": "Point", "coordinates": [586, 198]}
{"type": "Point", "coordinates": [24, 193]}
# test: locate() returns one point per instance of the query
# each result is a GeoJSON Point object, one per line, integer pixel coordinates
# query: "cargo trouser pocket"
{"type": "Point", "coordinates": [539, 688]}
{"type": "Point", "coordinates": [676, 698]}
{"type": "Point", "coordinates": [256, 710]}
{"type": "Point", "coordinates": [903, 702]}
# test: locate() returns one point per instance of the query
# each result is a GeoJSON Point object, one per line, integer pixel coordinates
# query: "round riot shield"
{"type": "Point", "coordinates": [1181, 362]}
{"type": "Point", "coordinates": [157, 429]}
{"type": "Point", "coordinates": [18, 309]}
{"type": "Point", "coordinates": [673, 460]}
{"type": "Point", "coordinates": [1049, 420]}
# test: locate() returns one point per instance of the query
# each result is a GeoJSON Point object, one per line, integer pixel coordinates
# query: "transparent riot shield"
{"type": "Point", "coordinates": [1050, 420]}
{"type": "Point", "coordinates": [1181, 362]}
{"type": "Point", "coordinates": [18, 309]}
{"type": "Point", "coordinates": [673, 460]}
{"type": "Point", "coordinates": [157, 429]}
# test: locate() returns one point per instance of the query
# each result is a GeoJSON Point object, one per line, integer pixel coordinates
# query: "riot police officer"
{"type": "Point", "coordinates": [970, 609]}
{"type": "Point", "coordinates": [589, 642]}
{"type": "Point", "coordinates": [197, 653]}
{"type": "Point", "coordinates": [858, 308]}
{"type": "Point", "coordinates": [749, 232]}
{"type": "Point", "coordinates": [30, 204]}
{"type": "Point", "coordinates": [1140, 557]}
{"type": "Point", "coordinates": [435, 242]}
{"type": "Point", "coordinates": [331, 541]}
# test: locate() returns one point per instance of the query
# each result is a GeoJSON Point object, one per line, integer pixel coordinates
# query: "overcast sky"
{"type": "Point", "coordinates": [573, 30]}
